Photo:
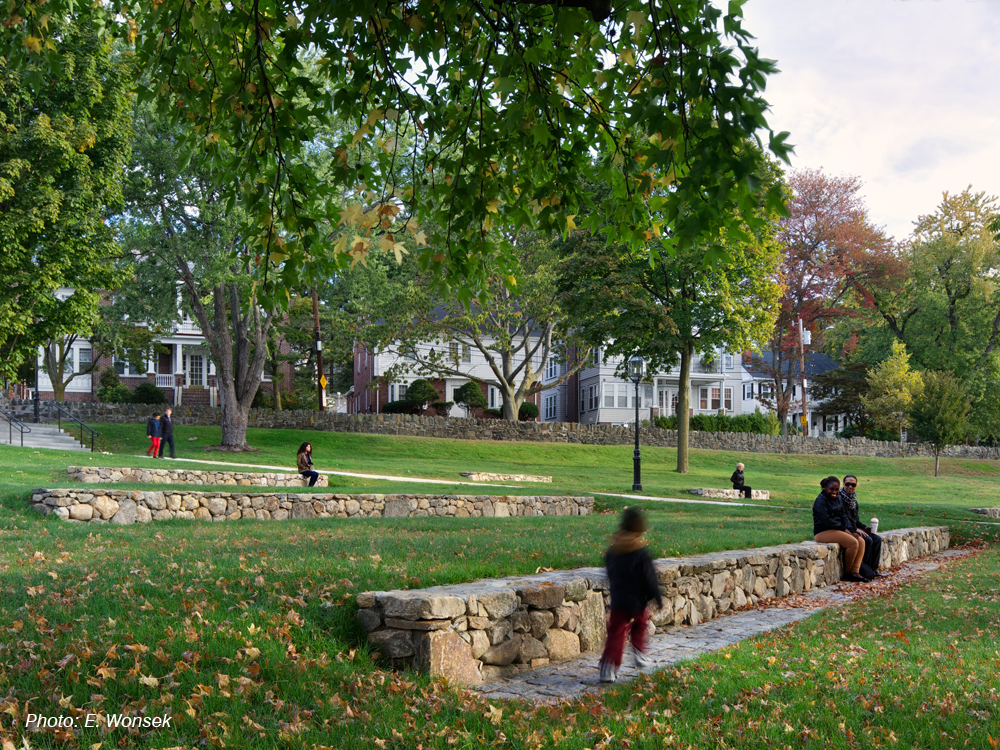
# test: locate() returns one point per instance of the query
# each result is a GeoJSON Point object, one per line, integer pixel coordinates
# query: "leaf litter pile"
{"type": "Point", "coordinates": [245, 638]}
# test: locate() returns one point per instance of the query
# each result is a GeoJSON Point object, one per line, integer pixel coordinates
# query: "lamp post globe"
{"type": "Point", "coordinates": [636, 372]}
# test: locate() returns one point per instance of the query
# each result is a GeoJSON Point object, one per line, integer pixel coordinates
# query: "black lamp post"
{"type": "Point", "coordinates": [636, 371]}
{"type": "Point", "coordinates": [37, 417]}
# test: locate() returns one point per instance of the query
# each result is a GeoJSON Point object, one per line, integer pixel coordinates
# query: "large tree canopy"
{"type": "Point", "coordinates": [482, 110]}
{"type": "Point", "coordinates": [64, 140]}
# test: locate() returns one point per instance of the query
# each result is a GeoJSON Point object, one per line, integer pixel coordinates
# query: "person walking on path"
{"type": "Point", "coordinates": [167, 432]}
{"type": "Point", "coordinates": [873, 542]}
{"type": "Point", "coordinates": [633, 582]}
{"type": "Point", "coordinates": [305, 464]}
{"type": "Point", "coordinates": [739, 484]}
{"type": "Point", "coordinates": [830, 524]}
{"type": "Point", "coordinates": [153, 433]}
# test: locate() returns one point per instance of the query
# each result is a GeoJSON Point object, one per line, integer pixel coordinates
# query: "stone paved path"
{"type": "Point", "coordinates": [575, 678]}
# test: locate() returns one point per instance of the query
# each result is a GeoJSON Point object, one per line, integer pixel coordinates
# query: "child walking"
{"type": "Point", "coordinates": [153, 433]}
{"type": "Point", "coordinates": [633, 582]}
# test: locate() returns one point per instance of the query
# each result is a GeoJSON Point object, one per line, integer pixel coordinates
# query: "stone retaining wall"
{"type": "Point", "coordinates": [98, 505]}
{"type": "Point", "coordinates": [486, 630]}
{"type": "Point", "coordinates": [104, 475]}
{"type": "Point", "coordinates": [479, 476]}
{"type": "Point", "coordinates": [495, 429]}
{"type": "Point", "coordinates": [988, 512]}
{"type": "Point", "coordinates": [730, 494]}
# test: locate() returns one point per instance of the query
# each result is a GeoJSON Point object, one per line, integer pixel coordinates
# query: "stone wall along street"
{"type": "Point", "coordinates": [123, 507]}
{"type": "Point", "coordinates": [480, 476]}
{"type": "Point", "coordinates": [495, 429]}
{"type": "Point", "coordinates": [730, 494]}
{"type": "Point", "coordinates": [486, 630]}
{"type": "Point", "coordinates": [104, 475]}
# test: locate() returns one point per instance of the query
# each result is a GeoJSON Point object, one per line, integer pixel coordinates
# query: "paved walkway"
{"type": "Point", "coordinates": [576, 678]}
{"type": "Point", "coordinates": [223, 465]}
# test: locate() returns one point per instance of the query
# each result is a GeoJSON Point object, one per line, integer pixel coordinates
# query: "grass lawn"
{"type": "Point", "coordinates": [244, 632]}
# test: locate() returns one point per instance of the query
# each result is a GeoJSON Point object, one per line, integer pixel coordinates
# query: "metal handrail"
{"type": "Point", "coordinates": [60, 412]}
{"type": "Point", "coordinates": [13, 422]}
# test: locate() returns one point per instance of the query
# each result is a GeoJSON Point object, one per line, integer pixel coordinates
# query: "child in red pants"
{"type": "Point", "coordinates": [153, 433]}
{"type": "Point", "coordinates": [633, 583]}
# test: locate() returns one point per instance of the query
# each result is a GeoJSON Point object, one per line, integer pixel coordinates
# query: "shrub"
{"type": "Point", "coordinates": [756, 423]}
{"type": "Point", "coordinates": [420, 392]}
{"type": "Point", "coordinates": [114, 394]}
{"type": "Point", "coordinates": [399, 407]}
{"type": "Point", "coordinates": [493, 413]}
{"type": "Point", "coordinates": [109, 377]}
{"type": "Point", "coordinates": [441, 408]}
{"type": "Point", "coordinates": [470, 397]}
{"type": "Point", "coordinates": [147, 393]}
{"type": "Point", "coordinates": [526, 412]}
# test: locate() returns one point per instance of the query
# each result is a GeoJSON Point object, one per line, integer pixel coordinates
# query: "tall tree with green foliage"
{"type": "Point", "coordinates": [64, 141]}
{"type": "Point", "coordinates": [502, 103]}
{"type": "Point", "coordinates": [892, 387]}
{"type": "Point", "coordinates": [675, 309]}
{"type": "Point", "coordinates": [941, 414]}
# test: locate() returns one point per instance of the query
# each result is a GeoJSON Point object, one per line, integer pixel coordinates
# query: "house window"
{"type": "Point", "coordinates": [583, 400]}
{"type": "Point", "coordinates": [728, 398]}
{"type": "Point", "coordinates": [647, 396]}
{"type": "Point", "coordinates": [595, 397]}
{"type": "Point", "coordinates": [609, 395]}
{"type": "Point", "coordinates": [716, 400]}
{"type": "Point", "coordinates": [84, 359]}
{"type": "Point", "coordinates": [453, 351]}
{"type": "Point", "coordinates": [550, 407]}
{"type": "Point", "coordinates": [402, 391]}
{"type": "Point", "coordinates": [622, 396]}
{"type": "Point", "coordinates": [195, 370]}
{"type": "Point", "coordinates": [673, 404]}
{"type": "Point", "coordinates": [124, 368]}
{"type": "Point", "coordinates": [747, 391]}
{"type": "Point", "coordinates": [493, 394]}
{"type": "Point", "coordinates": [596, 360]}
{"type": "Point", "coordinates": [764, 390]}
{"type": "Point", "coordinates": [729, 361]}
{"type": "Point", "coordinates": [703, 399]}
{"type": "Point", "coordinates": [831, 424]}
{"type": "Point", "coordinates": [552, 368]}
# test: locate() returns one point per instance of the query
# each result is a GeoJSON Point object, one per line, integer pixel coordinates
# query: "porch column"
{"type": "Point", "coordinates": [178, 373]}
{"type": "Point", "coordinates": [213, 385]}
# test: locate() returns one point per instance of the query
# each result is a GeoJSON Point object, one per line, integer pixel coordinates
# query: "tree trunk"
{"type": "Point", "coordinates": [55, 360]}
{"type": "Point", "coordinates": [937, 460]}
{"type": "Point", "coordinates": [235, 418]}
{"type": "Point", "coordinates": [684, 408]}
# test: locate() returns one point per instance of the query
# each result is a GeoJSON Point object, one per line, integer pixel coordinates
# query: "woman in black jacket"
{"type": "Point", "coordinates": [873, 542]}
{"type": "Point", "coordinates": [739, 483]}
{"type": "Point", "coordinates": [830, 524]}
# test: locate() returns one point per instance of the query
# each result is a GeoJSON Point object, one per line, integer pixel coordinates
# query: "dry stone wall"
{"type": "Point", "coordinates": [123, 507]}
{"type": "Point", "coordinates": [104, 475]}
{"type": "Point", "coordinates": [486, 630]}
{"type": "Point", "coordinates": [988, 512]}
{"type": "Point", "coordinates": [494, 429]}
{"type": "Point", "coordinates": [730, 494]}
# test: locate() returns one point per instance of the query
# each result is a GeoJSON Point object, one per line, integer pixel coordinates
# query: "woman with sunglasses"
{"type": "Point", "coordinates": [830, 525]}
{"type": "Point", "coordinates": [873, 542]}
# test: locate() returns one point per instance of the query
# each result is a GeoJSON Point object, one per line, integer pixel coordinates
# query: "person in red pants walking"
{"type": "Point", "coordinates": [633, 583]}
{"type": "Point", "coordinates": [153, 433]}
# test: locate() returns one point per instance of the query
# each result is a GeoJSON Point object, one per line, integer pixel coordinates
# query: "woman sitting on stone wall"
{"type": "Point", "coordinates": [830, 524]}
{"type": "Point", "coordinates": [305, 464]}
{"type": "Point", "coordinates": [873, 542]}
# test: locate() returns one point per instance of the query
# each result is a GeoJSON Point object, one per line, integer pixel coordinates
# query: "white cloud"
{"type": "Point", "coordinates": [901, 93]}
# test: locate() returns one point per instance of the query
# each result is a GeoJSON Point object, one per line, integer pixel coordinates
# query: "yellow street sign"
{"type": "Point", "coordinates": [802, 417]}
{"type": "Point", "coordinates": [322, 381]}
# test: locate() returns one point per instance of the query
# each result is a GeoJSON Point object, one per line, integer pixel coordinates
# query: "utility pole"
{"type": "Point", "coordinates": [802, 374]}
{"type": "Point", "coordinates": [320, 377]}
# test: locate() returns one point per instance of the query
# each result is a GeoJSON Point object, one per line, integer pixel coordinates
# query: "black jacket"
{"type": "Point", "coordinates": [152, 428]}
{"type": "Point", "coordinates": [852, 515]}
{"type": "Point", "coordinates": [633, 580]}
{"type": "Point", "coordinates": [829, 514]}
{"type": "Point", "coordinates": [737, 479]}
{"type": "Point", "coordinates": [166, 426]}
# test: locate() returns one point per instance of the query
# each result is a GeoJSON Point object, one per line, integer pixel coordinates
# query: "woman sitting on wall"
{"type": "Point", "coordinates": [873, 542]}
{"type": "Point", "coordinates": [305, 464]}
{"type": "Point", "coordinates": [739, 483]}
{"type": "Point", "coordinates": [830, 524]}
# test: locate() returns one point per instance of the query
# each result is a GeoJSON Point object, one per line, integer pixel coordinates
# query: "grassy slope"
{"type": "Point", "coordinates": [205, 598]}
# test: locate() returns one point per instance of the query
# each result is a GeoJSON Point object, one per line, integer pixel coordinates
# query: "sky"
{"type": "Point", "coordinates": [905, 94]}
